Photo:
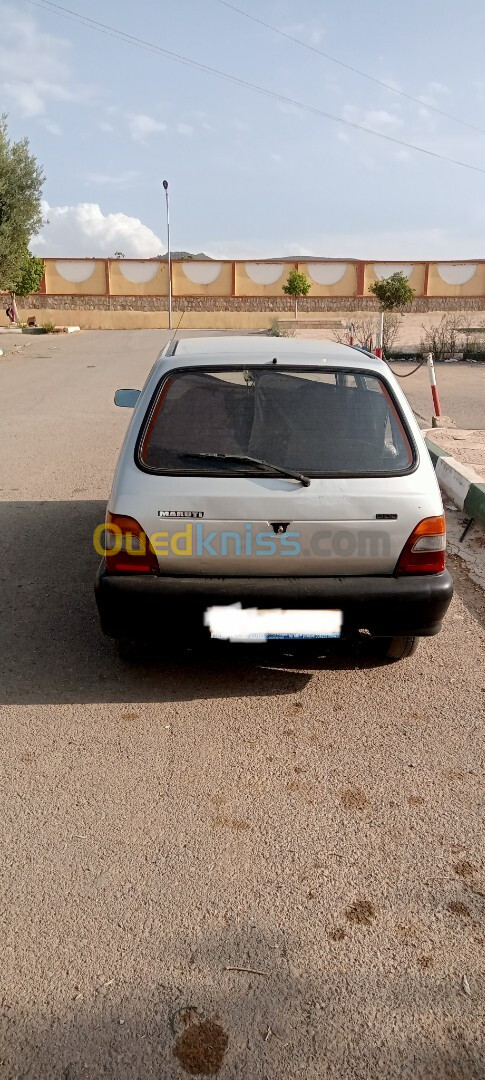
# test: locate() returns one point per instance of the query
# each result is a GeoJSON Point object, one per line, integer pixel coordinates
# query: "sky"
{"type": "Point", "coordinates": [251, 176]}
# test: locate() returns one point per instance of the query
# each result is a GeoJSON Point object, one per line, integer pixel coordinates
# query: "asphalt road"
{"type": "Point", "coordinates": [461, 389]}
{"type": "Point", "coordinates": [246, 863]}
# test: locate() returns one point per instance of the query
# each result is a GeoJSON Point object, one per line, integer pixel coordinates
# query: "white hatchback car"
{"type": "Point", "coordinates": [272, 488]}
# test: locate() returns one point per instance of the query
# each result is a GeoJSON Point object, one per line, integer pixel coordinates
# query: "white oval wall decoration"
{"type": "Point", "coordinates": [385, 270]}
{"type": "Point", "coordinates": [264, 273]}
{"type": "Point", "coordinates": [76, 270]}
{"type": "Point", "coordinates": [137, 272]}
{"type": "Point", "coordinates": [456, 273]}
{"type": "Point", "coordinates": [327, 273]}
{"type": "Point", "coordinates": [201, 273]}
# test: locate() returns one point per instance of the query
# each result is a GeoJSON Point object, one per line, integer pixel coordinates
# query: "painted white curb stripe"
{"type": "Point", "coordinates": [452, 480]}
{"type": "Point", "coordinates": [464, 486]}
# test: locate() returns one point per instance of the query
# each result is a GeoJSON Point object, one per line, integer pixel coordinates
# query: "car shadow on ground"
{"type": "Point", "coordinates": [53, 652]}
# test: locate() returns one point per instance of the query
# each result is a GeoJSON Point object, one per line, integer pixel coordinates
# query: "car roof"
{"type": "Point", "coordinates": [237, 350]}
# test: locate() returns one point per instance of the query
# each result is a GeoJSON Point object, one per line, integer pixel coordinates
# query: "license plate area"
{"type": "Point", "coordinates": [232, 622]}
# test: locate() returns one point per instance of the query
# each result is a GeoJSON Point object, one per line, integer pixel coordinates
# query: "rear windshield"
{"type": "Point", "coordinates": [318, 422]}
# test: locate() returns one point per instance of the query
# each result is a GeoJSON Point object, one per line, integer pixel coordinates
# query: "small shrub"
{"type": "Point", "coordinates": [447, 339]}
{"type": "Point", "coordinates": [364, 332]}
{"type": "Point", "coordinates": [473, 345]}
{"type": "Point", "coordinates": [475, 354]}
{"type": "Point", "coordinates": [408, 357]}
{"type": "Point", "coordinates": [276, 330]}
{"type": "Point", "coordinates": [49, 327]}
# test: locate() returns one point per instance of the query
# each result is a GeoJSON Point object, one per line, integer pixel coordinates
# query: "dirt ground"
{"type": "Point", "coordinates": [411, 326]}
{"type": "Point", "coordinates": [235, 863]}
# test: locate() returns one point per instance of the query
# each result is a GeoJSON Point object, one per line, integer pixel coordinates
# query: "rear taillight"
{"type": "Point", "coordinates": [128, 549]}
{"type": "Point", "coordinates": [424, 552]}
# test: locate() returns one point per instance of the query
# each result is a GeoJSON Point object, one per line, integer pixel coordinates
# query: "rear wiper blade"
{"type": "Point", "coordinates": [244, 459]}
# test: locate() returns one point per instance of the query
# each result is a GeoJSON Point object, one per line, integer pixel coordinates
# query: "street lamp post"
{"type": "Point", "coordinates": [169, 257]}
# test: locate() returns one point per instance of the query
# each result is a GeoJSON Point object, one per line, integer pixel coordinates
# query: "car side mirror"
{"type": "Point", "coordinates": [127, 399]}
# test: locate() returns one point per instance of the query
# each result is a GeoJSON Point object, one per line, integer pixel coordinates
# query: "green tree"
{"type": "Point", "coordinates": [393, 292]}
{"type": "Point", "coordinates": [29, 275]}
{"type": "Point", "coordinates": [297, 285]}
{"type": "Point", "coordinates": [21, 181]}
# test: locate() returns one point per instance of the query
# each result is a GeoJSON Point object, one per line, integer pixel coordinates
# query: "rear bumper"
{"type": "Point", "coordinates": [145, 606]}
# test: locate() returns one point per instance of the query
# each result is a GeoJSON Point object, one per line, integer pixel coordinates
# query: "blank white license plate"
{"type": "Point", "coordinates": [234, 623]}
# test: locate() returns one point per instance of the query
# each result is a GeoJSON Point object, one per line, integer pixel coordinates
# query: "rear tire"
{"type": "Point", "coordinates": [398, 648]}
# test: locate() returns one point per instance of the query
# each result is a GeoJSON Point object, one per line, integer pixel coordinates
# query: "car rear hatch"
{"type": "Point", "coordinates": [208, 510]}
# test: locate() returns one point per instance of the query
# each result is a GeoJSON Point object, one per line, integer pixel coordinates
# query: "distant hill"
{"type": "Point", "coordinates": [305, 258]}
{"type": "Point", "coordinates": [186, 255]}
{"type": "Point", "coordinates": [201, 257]}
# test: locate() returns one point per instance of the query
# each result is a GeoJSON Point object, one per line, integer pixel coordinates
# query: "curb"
{"type": "Point", "coordinates": [463, 485]}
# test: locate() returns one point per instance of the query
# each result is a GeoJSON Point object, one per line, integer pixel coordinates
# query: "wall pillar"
{"type": "Point", "coordinates": [360, 278]}
{"type": "Point", "coordinates": [106, 276]}
{"type": "Point", "coordinates": [426, 279]}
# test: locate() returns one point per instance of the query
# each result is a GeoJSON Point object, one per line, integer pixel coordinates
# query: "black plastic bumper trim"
{"type": "Point", "coordinates": [145, 605]}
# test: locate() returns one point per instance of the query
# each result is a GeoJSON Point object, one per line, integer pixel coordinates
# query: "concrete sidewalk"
{"type": "Point", "coordinates": [459, 459]}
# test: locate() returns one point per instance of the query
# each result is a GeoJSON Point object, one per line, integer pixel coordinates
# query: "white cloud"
{"type": "Point", "coordinates": [51, 126]}
{"type": "Point", "coordinates": [185, 129]}
{"type": "Point", "coordinates": [437, 88]}
{"type": "Point", "coordinates": [104, 125]}
{"type": "Point", "coordinates": [33, 67]}
{"type": "Point", "coordinates": [377, 119]}
{"type": "Point", "coordinates": [310, 32]}
{"type": "Point", "coordinates": [393, 82]}
{"type": "Point", "coordinates": [122, 179]}
{"type": "Point", "coordinates": [31, 96]}
{"type": "Point", "coordinates": [433, 93]}
{"type": "Point", "coordinates": [380, 119]}
{"type": "Point", "coordinates": [84, 230]}
{"type": "Point", "coordinates": [205, 120]}
{"type": "Point", "coordinates": [25, 97]}
{"type": "Point", "coordinates": [141, 126]}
